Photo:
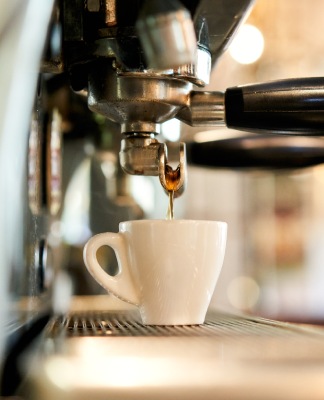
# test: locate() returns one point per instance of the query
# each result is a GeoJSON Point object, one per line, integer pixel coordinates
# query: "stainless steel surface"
{"type": "Point", "coordinates": [23, 27]}
{"type": "Point", "coordinates": [112, 355]}
{"type": "Point", "coordinates": [166, 28]}
{"type": "Point", "coordinates": [44, 195]}
{"type": "Point", "coordinates": [223, 17]}
{"type": "Point", "coordinates": [139, 155]}
{"type": "Point", "coordinates": [128, 323]}
{"type": "Point", "coordinates": [197, 72]}
{"type": "Point", "coordinates": [139, 98]}
{"type": "Point", "coordinates": [204, 109]}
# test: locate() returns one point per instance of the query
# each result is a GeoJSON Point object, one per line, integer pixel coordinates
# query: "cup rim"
{"type": "Point", "coordinates": [173, 221]}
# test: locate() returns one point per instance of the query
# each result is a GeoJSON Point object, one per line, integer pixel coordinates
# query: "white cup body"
{"type": "Point", "coordinates": [173, 266]}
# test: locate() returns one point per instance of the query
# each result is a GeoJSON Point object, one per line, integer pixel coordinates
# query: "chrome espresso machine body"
{"type": "Point", "coordinates": [135, 65]}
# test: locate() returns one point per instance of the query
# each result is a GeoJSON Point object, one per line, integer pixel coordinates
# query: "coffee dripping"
{"type": "Point", "coordinates": [174, 180]}
{"type": "Point", "coordinates": [170, 205]}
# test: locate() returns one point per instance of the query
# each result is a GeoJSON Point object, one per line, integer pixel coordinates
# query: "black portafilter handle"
{"type": "Point", "coordinates": [290, 106]}
{"type": "Point", "coordinates": [285, 112]}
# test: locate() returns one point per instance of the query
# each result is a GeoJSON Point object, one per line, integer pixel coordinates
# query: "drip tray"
{"type": "Point", "coordinates": [111, 355]}
{"type": "Point", "coordinates": [127, 323]}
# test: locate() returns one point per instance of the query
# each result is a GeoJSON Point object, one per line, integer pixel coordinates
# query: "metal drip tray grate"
{"type": "Point", "coordinates": [111, 354]}
{"type": "Point", "coordinates": [128, 324]}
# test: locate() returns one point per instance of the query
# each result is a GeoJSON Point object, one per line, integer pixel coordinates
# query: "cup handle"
{"type": "Point", "coordinates": [120, 285]}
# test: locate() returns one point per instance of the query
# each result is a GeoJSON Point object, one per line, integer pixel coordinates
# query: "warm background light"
{"type": "Point", "coordinates": [247, 47]}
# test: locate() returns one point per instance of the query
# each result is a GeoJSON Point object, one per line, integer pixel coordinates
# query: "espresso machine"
{"type": "Point", "coordinates": [88, 85]}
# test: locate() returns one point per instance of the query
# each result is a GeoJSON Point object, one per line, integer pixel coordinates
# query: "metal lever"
{"type": "Point", "coordinates": [173, 180]}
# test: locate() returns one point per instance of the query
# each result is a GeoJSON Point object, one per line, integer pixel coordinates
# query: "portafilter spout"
{"type": "Point", "coordinates": [142, 154]}
{"type": "Point", "coordinates": [173, 180]}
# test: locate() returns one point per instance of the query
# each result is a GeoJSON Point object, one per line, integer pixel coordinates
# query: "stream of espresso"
{"type": "Point", "coordinates": [170, 207]}
{"type": "Point", "coordinates": [171, 177]}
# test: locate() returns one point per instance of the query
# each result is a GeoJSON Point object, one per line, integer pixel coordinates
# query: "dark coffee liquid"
{"type": "Point", "coordinates": [170, 207]}
{"type": "Point", "coordinates": [172, 178]}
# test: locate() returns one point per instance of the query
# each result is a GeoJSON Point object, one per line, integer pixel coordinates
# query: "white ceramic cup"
{"type": "Point", "coordinates": [168, 268]}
